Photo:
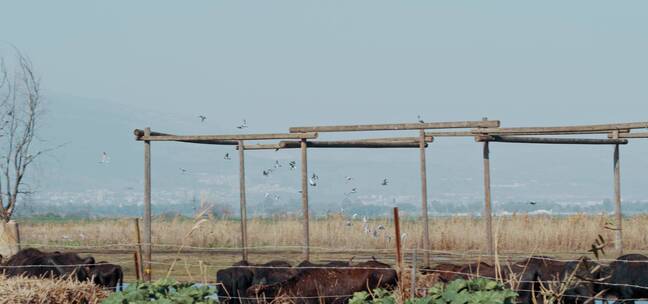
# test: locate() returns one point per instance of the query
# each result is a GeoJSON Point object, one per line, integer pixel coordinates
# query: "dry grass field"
{"type": "Point", "coordinates": [517, 233]}
{"type": "Point", "coordinates": [331, 238]}
{"type": "Point", "coordinates": [19, 290]}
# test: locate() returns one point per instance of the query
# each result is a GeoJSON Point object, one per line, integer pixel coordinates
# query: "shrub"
{"type": "Point", "coordinates": [476, 291]}
{"type": "Point", "coordinates": [163, 291]}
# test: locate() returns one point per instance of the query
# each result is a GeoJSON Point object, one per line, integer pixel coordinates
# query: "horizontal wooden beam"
{"type": "Point", "coordinates": [551, 140]}
{"type": "Point", "coordinates": [140, 133]}
{"type": "Point", "coordinates": [391, 139]}
{"type": "Point", "coordinates": [401, 126]}
{"type": "Point", "coordinates": [351, 144]}
{"type": "Point", "coordinates": [631, 135]}
{"type": "Point", "coordinates": [450, 134]}
{"type": "Point", "coordinates": [261, 147]}
{"type": "Point", "coordinates": [582, 129]}
{"type": "Point", "coordinates": [235, 137]}
{"type": "Point", "coordinates": [479, 131]}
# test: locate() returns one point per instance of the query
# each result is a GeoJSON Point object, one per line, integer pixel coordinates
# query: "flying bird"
{"type": "Point", "coordinates": [277, 164]}
{"type": "Point", "coordinates": [183, 170]}
{"type": "Point", "coordinates": [353, 191]}
{"type": "Point", "coordinates": [105, 159]}
{"type": "Point", "coordinates": [420, 120]}
{"type": "Point", "coordinates": [312, 182]}
{"type": "Point", "coordinates": [292, 165]}
{"type": "Point", "coordinates": [202, 118]}
{"type": "Point", "coordinates": [243, 125]}
{"type": "Point", "coordinates": [532, 203]}
{"type": "Point", "coordinates": [348, 178]}
{"type": "Point", "coordinates": [267, 172]}
{"type": "Point", "coordinates": [384, 182]}
{"type": "Point", "coordinates": [227, 157]}
{"type": "Point", "coordinates": [315, 177]}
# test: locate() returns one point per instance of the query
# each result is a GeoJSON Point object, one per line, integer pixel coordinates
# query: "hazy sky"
{"type": "Point", "coordinates": [288, 63]}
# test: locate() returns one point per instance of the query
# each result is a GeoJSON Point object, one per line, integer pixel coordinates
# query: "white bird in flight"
{"type": "Point", "coordinates": [202, 118]}
{"type": "Point", "coordinates": [105, 159]}
{"type": "Point", "coordinates": [227, 156]}
{"type": "Point", "coordinates": [243, 125]}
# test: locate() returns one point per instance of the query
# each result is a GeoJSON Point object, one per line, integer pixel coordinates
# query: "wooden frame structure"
{"type": "Point", "coordinates": [484, 131]}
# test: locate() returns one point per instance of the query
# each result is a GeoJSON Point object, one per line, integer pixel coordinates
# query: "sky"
{"type": "Point", "coordinates": [110, 67]}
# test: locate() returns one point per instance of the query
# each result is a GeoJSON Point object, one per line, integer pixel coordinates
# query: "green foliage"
{"type": "Point", "coordinates": [477, 291]}
{"type": "Point", "coordinates": [165, 291]}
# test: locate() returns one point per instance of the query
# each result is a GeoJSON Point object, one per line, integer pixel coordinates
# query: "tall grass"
{"type": "Point", "coordinates": [517, 233]}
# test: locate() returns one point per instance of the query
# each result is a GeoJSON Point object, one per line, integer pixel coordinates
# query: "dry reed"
{"type": "Point", "coordinates": [517, 233]}
{"type": "Point", "coordinates": [19, 290]}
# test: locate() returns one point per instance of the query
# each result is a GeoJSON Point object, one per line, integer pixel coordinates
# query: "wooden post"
{"type": "Point", "coordinates": [413, 278]}
{"type": "Point", "coordinates": [138, 268]}
{"type": "Point", "coordinates": [424, 201]}
{"type": "Point", "coordinates": [147, 207]}
{"type": "Point", "coordinates": [399, 255]}
{"type": "Point", "coordinates": [487, 200]}
{"type": "Point", "coordinates": [244, 246]}
{"type": "Point", "coordinates": [138, 252]}
{"type": "Point", "coordinates": [304, 186]}
{"type": "Point", "coordinates": [618, 240]}
{"type": "Point", "coordinates": [18, 236]}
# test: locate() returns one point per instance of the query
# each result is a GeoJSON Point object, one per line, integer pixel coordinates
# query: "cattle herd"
{"type": "Point", "coordinates": [574, 281]}
{"type": "Point", "coordinates": [32, 262]}
{"type": "Point", "coordinates": [537, 279]}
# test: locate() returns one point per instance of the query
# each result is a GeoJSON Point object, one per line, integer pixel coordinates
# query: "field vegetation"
{"type": "Point", "coordinates": [452, 238]}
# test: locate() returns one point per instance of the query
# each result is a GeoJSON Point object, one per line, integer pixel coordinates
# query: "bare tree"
{"type": "Point", "coordinates": [20, 110]}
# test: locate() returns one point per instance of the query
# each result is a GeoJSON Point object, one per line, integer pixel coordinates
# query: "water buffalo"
{"type": "Point", "coordinates": [272, 272]}
{"type": "Point", "coordinates": [328, 284]}
{"type": "Point", "coordinates": [107, 275]}
{"type": "Point", "coordinates": [234, 281]}
{"type": "Point", "coordinates": [629, 269]}
{"type": "Point", "coordinates": [35, 263]}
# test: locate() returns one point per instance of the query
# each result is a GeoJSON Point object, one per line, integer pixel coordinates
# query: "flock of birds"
{"type": "Point", "coordinates": [312, 181]}
{"type": "Point", "coordinates": [375, 231]}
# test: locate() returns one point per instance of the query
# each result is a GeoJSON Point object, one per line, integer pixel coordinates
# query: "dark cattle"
{"type": "Point", "coordinates": [234, 281]}
{"type": "Point", "coordinates": [107, 275]}
{"type": "Point", "coordinates": [328, 284]}
{"type": "Point", "coordinates": [630, 269]}
{"type": "Point", "coordinates": [35, 263]}
{"type": "Point", "coordinates": [582, 277]}
{"type": "Point", "coordinates": [272, 272]}
{"type": "Point", "coordinates": [331, 264]}
{"type": "Point", "coordinates": [443, 272]}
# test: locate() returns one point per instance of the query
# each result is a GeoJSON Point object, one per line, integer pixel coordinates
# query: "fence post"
{"type": "Point", "coordinates": [304, 186]}
{"type": "Point", "coordinates": [136, 258]}
{"type": "Point", "coordinates": [487, 201]}
{"type": "Point", "coordinates": [147, 207]}
{"type": "Point", "coordinates": [618, 239]}
{"type": "Point", "coordinates": [424, 200]}
{"type": "Point", "coordinates": [138, 239]}
{"type": "Point", "coordinates": [18, 236]}
{"type": "Point", "coordinates": [399, 255]}
{"type": "Point", "coordinates": [244, 245]}
{"type": "Point", "coordinates": [413, 279]}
